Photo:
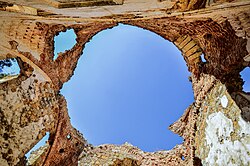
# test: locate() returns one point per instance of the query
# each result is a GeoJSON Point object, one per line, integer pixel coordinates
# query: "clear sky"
{"type": "Point", "coordinates": [246, 77]}
{"type": "Point", "coordinates": [129, 85]}
{"type": "Point", "coordinates": [12, 70]}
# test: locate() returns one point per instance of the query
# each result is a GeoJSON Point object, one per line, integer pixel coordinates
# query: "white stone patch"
{"type": "Point", "coordinates": [223, 151]}
{"type": "Point", "coordinates": [218, 125]}
{"type": "Point", "coordinates": [224, 101]}
{"type": "Point", "coordinates": [244, 128]}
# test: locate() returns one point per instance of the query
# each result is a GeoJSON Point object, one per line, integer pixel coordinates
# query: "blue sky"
{"type": "Point", "coordinates": [129, 85]}
{"type": "Point", "coordinates": [12, 70]}
{"type": "Point", "coordinates": [246, 77]}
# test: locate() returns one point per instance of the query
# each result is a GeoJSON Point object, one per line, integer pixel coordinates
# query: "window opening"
{"type": "Point", "coordinates": [9, 69]}
{"type": "Point", "coordinates": [203, 58]}
{"type": "Point", "coordinates": [41, 143]}
{"type": "Point", "coordinates": [64, 41]}
{"type": "Point", "coordinates": [245, 74]}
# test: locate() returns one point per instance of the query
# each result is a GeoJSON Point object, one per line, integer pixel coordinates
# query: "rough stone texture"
{"type": "Point", "coordinates": [242, 100]}
{"type": "Point", "coordinates": [31, 104]}
{"type": "Point", "coordinates": [222, 136]}
{"type": "Point", "coordinates": [64, 140]}
{"type": "Point", "coordinates": [27, 110]}
{"type": "Point", "coordinates": [82, 3]}
{"type": "Point", "coordinates": [106, 155]}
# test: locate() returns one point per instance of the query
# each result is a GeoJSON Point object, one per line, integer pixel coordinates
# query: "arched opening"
{"type": "Point", "coordinates": [243, 99]}
{"type": "Point", "coordinates": [41, 144]}
{"type": "Point", "coordinates": [9, 69]}
{"type": "Point", "coordinates": [203, 58]}
{"type": "Point", "coordinates": [64, 41]}
{"type": "Point", "coordinates": [129, 86]}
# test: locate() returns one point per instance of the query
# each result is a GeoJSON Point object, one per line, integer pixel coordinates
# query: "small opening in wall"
{"type": "Point", "coordinates": [61, 150]}
{"type": "Point", "coordinates": [203, 58]}
{"type": "Point", "coordinates": [9, 69]}
{"type": "Point", "coordinates": [245, 75]}
{"type": "Point", "coordinates": [64, 41]}
{"type": "Point", "coordinates": [68, 136]}
{"type": "Point", "coordinates": [41, 143]}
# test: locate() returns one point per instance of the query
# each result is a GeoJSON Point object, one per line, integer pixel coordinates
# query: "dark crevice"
{"type": "Point", "coordinates": [242, 99]}
{"type": "Point", "coordinates": [207, 36]}
{"type": "Point", "coordinates": [61, 150]}
{"type": "Point", "coordinates": [197, 161]}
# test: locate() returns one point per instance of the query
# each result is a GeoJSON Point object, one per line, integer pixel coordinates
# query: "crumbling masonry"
{"type": "Point", "coordinates": [215, 128]}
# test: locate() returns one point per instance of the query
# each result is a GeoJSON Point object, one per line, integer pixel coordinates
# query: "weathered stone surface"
{"type": "Point", "coordinates": [242, 100]}
{"type": "Point", "coordinates": [222, 136]}
{"type": "Point", "coordinates": [31, 104]}
{"type": "Point", "coordinates": [113, 155]}
{"type": "Point", "coordinates": [66, 143]}
{"type": "Point", "coordinates": [27, 110]}
{"type": "Point", "coordinates": [82, 3]}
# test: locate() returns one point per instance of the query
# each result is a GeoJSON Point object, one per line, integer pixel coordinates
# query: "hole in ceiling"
{"type": "Point", "coordinates": [129, 86]}
{"type": "Point", "coordinates": [9, 69]}
{"type": "Point", "coordinates": [63, 42]}
{"type": "Point", "coordinates": [245, 75]}
{"type": "Point", "coordinates": [41, 143]}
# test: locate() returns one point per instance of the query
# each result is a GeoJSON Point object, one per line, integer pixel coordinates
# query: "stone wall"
{"type": "Point", "coordinates": [28, 110]}
{"type": "Point", "coordinates": [222, 136]}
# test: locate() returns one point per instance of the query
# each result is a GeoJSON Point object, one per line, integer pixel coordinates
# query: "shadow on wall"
{"type": "Point", "coordinates": [242, 99]}
{"type": "Point", "coordinates": [129, 86]}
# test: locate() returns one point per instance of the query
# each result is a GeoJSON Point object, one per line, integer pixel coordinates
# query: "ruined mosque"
{"type": "Point", "coordinates": [215, 127]}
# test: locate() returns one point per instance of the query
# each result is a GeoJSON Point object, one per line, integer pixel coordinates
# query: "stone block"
{"type": "Point", "coordinates": [187, 47]}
